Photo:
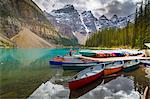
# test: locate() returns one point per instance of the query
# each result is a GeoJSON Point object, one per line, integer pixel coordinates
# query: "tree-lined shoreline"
{"type": "Point", "coordinates": [134, 35]}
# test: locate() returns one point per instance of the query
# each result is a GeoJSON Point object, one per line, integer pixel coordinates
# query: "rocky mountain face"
{"type": "Point", "coordinates": [89, 21]}
{"type": "Point", "coordinates": [15, 14]}
{"type": "Point", "coordinates": [69, 16]}
{"type": "Point", "coordinates": [114, 22]}
{"type": "Point", "coordinates": [68, 21]}
{"type": "Point", "coordinates": [6, 42]}
{"type": "Point", "coordinates": [64, 29]}
{"type": "Point", "coordinates": [72, 23]}
{"type": "Point", "coordinates": [102, 22]}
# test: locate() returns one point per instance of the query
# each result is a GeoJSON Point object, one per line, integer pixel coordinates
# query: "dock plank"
{"type": "Point", "coordinates": [112, 58]}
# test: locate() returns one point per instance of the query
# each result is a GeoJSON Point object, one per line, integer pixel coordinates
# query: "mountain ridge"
{"type": "Point", "coordinates": [84, 23]}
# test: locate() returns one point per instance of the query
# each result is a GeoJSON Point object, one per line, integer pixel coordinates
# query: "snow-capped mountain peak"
{"type": "Point", "coordinates": [103, 17]}
{"type": "Point", "coordinates": [66, 9]}
{"type": "Point", "coordinates": [70, 22]}
{"type": "Point", "coordinates": [114, 19]}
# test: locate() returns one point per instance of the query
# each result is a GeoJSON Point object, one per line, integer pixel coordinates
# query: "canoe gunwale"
{"type": "Point", "coordinates": [73, 80]}
{"type": "Point", "coordinates": [114, 66]}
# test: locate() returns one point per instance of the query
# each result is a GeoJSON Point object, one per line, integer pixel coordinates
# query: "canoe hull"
{"type": "Point", "coordinates": [131, 68]}
{"type": "Point", "coordinates": [146, 64]}
{"type": "Point", "coordinates": [75, 94]}
{"type": "Point", "coordinates": [52, 62]}
{"type": "Point", "coordinates": [101, 56]}
{"type": "Point", "coordinates": [110, 71]}
{"type": "Point", "coordinates": [88, 54]}
{"type": "Point", "coordinates": [73, 85]}
{"type": "Point", "coordinates": [55, 62]}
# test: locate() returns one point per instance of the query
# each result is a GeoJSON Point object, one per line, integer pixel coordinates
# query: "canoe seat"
{"type": "Point", "coordinates": [83, 76]}
{"type": "Point", "coordinates": [95, 71]}
{"type": "Point", "coordinates": [90, 73]}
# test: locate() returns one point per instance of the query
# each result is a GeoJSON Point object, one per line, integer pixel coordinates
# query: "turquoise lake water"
{"type": "Point", "coordinates": [22, 71]}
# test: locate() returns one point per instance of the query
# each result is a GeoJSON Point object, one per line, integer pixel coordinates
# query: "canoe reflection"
{"type": "Point", "coordinates": [83, 90]}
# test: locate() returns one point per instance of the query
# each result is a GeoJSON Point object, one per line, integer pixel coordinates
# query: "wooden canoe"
{"type": "Point", "coordinates": [86, 76]}
{"type": "Point", "coordinates": [113, 67]}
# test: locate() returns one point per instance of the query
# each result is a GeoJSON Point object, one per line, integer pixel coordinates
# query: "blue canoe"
{"type": "Point", "coordinates": [79, 66]}
{"type": "Point", "coordinates": [52, 62]}
{"type": "Point", "coordinates": [131, 65]}
{"type": "Point", "coordinates": [73, 63]}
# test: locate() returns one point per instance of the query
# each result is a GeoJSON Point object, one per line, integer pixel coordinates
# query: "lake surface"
{"type": "Point", "coordinates": [22, 71]}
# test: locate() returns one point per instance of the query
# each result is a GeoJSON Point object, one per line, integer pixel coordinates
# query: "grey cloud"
{"type": "Point", "coordinates": [73, 1]}
{"type": "Point", "coordinates": [100, 9]}
{"type": "Point", "coordinates": [122, 9]}
{"type": "Point", "coordinates": [99, 12]}
{"type": "Point", "coordinates": [109, 7]}
{"type": "Point", "coordinates": [104, 1]}
{"type": "Point", "coordinates": [79, 4]}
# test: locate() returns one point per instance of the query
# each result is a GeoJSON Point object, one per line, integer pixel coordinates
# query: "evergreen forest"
{"type": "Point", "coordinates": [134, 35]}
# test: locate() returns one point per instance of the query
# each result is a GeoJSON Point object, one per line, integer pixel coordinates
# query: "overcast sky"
{"type": "Point", "coordinates": [98, 7]}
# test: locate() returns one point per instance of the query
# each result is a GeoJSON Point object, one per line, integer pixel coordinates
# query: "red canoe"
{"type": "Point", "coordinates": [113, 67]}
{"type": "Point", "coordinates": [100, 55]}
{"type": "Point", "coordinates": [86, 76]}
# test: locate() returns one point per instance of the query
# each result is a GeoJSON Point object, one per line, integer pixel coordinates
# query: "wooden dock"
{"type": "Point", "coordinates": [112, 58]}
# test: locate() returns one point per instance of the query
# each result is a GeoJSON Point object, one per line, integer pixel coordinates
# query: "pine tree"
{"type": "Point", "coordinates": [135, 29]}
{"type": "Point", "coordinates": [127, 34]}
